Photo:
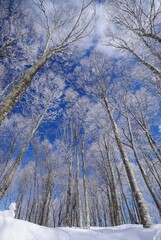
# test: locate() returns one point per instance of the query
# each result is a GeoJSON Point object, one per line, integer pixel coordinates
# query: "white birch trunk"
{"type": "Point", "coordinates": [78, 199]}
{"type": "Point", "coordinates": [87, 212]}
{"type": "Point", "coordinates": [148, 184]}
{"type": "Point", "coordinates": [144, 214]}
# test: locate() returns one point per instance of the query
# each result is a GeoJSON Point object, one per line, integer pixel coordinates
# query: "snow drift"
{"type": "Point", "coordinates": [14, 229]}
{"type": "Point", "coordinates": [10, 212]}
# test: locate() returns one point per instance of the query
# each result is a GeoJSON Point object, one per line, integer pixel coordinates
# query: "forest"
{"type": "Point", "coordinates": [80, 111]}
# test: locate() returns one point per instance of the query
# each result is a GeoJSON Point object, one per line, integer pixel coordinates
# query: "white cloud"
{"type": "Point", "coordinates": [60, 16]}
{"type": "Point", "coordinates": [102, 24]}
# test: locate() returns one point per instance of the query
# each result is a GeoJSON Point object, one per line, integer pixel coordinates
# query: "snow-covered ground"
{"type": "Point", "coordinates": [13, 229]}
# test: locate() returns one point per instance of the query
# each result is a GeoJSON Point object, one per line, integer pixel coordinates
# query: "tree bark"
{"type": "Point", "coordinates": [87, 212]}
{"type": "Point", "coordinates": [117, 210]}
{"type": "Point", "coordinates": [69, 195]}
{"type": "Point", "coordinates": [148, 184]}
{"type": "Point", "coordinates": [12, 98]}
{"type": "Point", "coordinates": [78, 199]}
{"type": "Point", "coordinates": [145, 217]}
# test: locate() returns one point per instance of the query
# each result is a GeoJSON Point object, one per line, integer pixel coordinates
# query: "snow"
{"type": "Point", "coordinates": [10, 212]}
{"type": "Point", "coordinates": [14, 229]}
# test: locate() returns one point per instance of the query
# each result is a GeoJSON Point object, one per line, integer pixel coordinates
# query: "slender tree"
{"type": "Point", "coordinates": [44, 100]}
{"type": "Point", "coordinates": [71, 20]}
{"type": "Point", "coordinates": [137, 23]}
{"type": "Point", "coordinates": [97, 86]}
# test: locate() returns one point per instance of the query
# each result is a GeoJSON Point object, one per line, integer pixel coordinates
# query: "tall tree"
{"type": "Point", "coordinates": [42, 105]}
{"type": "Point", "coordinates": [96, 85]}
{"type": "Point", "coordinates": [63, 27]}
{"type": "Point", "coordinates": [136, 31]}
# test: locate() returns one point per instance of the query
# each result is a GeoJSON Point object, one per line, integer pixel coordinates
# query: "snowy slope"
{"type": "Point", "coordinates": [13, 229]}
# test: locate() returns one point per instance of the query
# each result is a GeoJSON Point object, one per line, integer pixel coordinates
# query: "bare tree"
{"type": "Point", "coordinates": [96, 85]}
{"type": "Point", "coordinates": [38, 106]}
{"type": "Point", "coordinates": [87, 212]}
{"type": "Point", "coordinates": [68, 25]}
{"type": "Point", "coordinates": [138, 33]}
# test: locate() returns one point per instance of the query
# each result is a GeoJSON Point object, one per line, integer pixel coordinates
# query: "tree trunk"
{"type": "Point", "coordinates": [87, 213]}
{"type": "Point", "coordinates": [9, 176]}
{"type": "Point", "coordinates": [145, 217]}
{"type": "Point", "coordinates": [12, 98]}
{"type": "Point", "coordinates": [69, 194]}
{"type": "Point", "coordinates": [117, 209]}
{"type": "Point", "coordinates": [78, 199]}
{"type": "Point", "coordinates": [148, 184]}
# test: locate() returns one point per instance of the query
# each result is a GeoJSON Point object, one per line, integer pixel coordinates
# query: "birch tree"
{"type": "Point", "coordinates": [142, 114]}
{"type": "Point", "coordinates": [44, 101]}
{"type": "Point", "coordinates": [134, 29]}
{"type": "Point", "coordinates": [97, 86]}
{"type": "Point", "coordinates": [63, 26]}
